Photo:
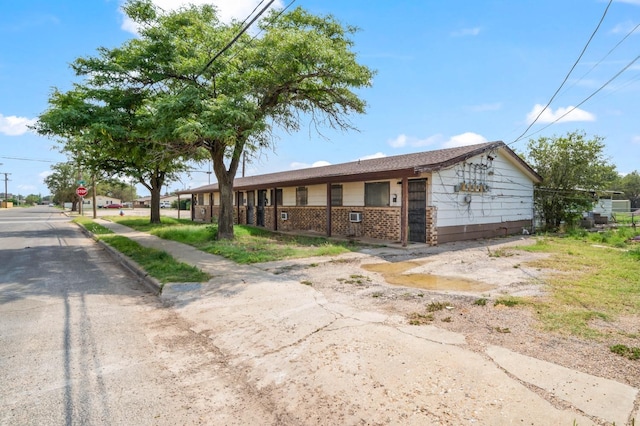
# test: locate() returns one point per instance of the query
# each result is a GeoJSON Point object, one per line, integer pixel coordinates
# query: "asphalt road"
{"type": "Point", "coordinates": [83, 342]}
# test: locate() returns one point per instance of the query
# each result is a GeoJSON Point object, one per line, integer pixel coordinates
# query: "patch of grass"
{"type": "Point", "coordinates": [480, 302]}
{"type": "Point", "coordinates": [416, 318]}
{"type": "Point", "coordinates": [591, 283]}
{"type": "Point", "coordinates": [436, 306]}
{"type": "Point", "coordinates": [157, 263]}
{"type": "Point", "coordinates": [502, 329]}
{"type": "Point", "coordinates": [306, 282]}
{"type": "Point", "coordinates": [501, 252]}
{"type": "Point", "coordinates": [355, 279]}
{"type": "Point", "coordinates": [91, 226]}
{"type": "Point", "coordinates": [631, 353]}
{"type": "Point", "coordinates": [447, 319]}
{"type": "Point", "coordinates": [508, 301]}
{"type": "Point", "coordinates": [250, 244]}
{"type": "Point", "coordinates": [377, 294]}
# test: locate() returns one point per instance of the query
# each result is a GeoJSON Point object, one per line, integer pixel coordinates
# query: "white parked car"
{"type": "Point", "coordinates": [165, 204]}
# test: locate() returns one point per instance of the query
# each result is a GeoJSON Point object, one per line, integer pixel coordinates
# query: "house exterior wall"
{"type": "Point", "coordinates": [604, 207]}
{"type": "Point", "coordinates": [477, 198]}
{"type": "Point", "coordinates": [495, 200]}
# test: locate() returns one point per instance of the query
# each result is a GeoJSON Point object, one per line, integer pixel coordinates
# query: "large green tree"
{"type": "Point", "coordinates": [62, 183]}
{"type": "Point", "coordinates": [630, 185]}
{"type": "Point", "coordinates": [574, 168]}
{"type": "Point", "coordinates": [108, 130]}
{"type": "Point", "coordinates": [300, 67]}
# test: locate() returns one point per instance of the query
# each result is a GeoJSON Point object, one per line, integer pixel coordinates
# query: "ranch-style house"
{"type": "Point", "coordinates": [454, 194]}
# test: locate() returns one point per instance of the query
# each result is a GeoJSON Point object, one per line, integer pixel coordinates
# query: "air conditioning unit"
{"type": "Point", "coordinates": [284, 216]}
{"type": "Point", "coordinates": [355, 217]}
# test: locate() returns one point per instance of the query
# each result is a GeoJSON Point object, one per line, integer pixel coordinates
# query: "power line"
{"type": "Point", "coordinates": [605, 56]}
{"type": "Point", "coordinates": [568, 74]}
{"type": "Point", "coordinates": [27, 159]}
{"type": "Point", "coordinates": [232, 42]}
{"type": "Point", "coordinates": [258, 33]}
{"type": "Point", "coordinates": [583, 101]}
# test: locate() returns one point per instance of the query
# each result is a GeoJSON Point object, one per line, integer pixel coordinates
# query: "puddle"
{"type": "Point", "coordinates": [393, 274]}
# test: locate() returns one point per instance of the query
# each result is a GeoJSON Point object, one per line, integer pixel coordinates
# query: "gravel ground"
{"type": "Point", "coordinates": [473, 270]}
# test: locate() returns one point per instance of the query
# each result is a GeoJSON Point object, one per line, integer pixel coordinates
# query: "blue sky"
{"type": "Point", "coordinates": [448, 73]}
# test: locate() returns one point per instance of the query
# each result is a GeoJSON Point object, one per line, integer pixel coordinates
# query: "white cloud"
{"type": "Point", "coordinates": [403, 140]}
{"type": "Point", "coordinates": [464, 139]}
{"type": "Point", "coordinates": [298, 165]}
{"type": "Point", "coordinates": [562, 115]}
{"type": "Point", "coordinates": [227, 9]}
{"type": "Point", "coordinates": [15, 126]}
{"type": "Point", "coordinates": [636, 2]}
{"type": "Point", "coordinates": [467, 32]}
{"type": "Point", "coordinates": [625, 27]}
{"type": "Point", "coordinates": [635, 140]}
{"type": "Point", "coordinates": [372, 156]}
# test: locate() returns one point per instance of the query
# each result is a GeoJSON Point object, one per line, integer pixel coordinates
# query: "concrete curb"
{"type": "Point", "coordinates": [150, 282]}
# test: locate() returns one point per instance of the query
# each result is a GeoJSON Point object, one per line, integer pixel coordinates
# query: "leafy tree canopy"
{"type": "Point", "coordinates": [574, 168]}
{"type": "Point", "coordinates": [298, 67]}
{"type": "Point", "coordinates": [630, 185]}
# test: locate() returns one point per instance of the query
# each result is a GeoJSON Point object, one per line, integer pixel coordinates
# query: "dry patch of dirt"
{"type": "Point", "coordinates": [454, 287]}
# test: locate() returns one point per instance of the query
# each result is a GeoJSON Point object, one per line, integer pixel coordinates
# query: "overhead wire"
{"type": "Point", "coordinates": [604, 57]}
{"type": "Point", "coordinates": [235, 39]}
{"type": "Point", "coordinates": [584, 49]}
{"type": "Point", "coordinates": [583, 101]}
{"type": "Point", "coordinates": [257, 34]}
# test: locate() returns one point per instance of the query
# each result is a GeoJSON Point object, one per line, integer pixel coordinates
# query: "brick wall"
{"type": "Point", "coordinates": [381, 223]}
{"type": "Point", "coordinates": [432, 229]}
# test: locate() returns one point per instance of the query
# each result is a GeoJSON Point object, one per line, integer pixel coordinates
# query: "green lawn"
{"type": "Point", "coordinates": [598, 277]}
{"type": "Point", "coordinates": [251, 244]}
{"type": "Point", "coordinates": [159, 264]}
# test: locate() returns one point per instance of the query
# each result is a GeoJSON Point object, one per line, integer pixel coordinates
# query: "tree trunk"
{"type": "Point", "coordinates": [157, 180]}
{"type": "Point", "coordinates": [225, 217]}
{"type": "Point", "coordinates": [155, 204]}
{"type": "Point", "coordinates": [225, 184]}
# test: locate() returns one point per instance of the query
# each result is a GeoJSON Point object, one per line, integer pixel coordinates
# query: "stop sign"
{"type": "Point", "coordinates": [82, 191]}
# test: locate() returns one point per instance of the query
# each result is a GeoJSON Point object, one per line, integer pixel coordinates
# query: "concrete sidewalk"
{"type": "Point", "coordinates": [326, 362]}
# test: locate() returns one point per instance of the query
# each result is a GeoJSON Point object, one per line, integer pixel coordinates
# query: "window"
{"type": "Point", "coordinates": [336, 195]}
{"type": "Point", "coordinates": [376, 194]}
{"type": "Point", "coordinates": [201, 199]}
{"type": "Point", "coordinates": [301, 196]}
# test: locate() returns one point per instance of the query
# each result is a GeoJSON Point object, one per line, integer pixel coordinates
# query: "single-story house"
{"type": "Point", "coordinates": [166, 201]}
{"type": "Point", "coordinates": [431, 197]}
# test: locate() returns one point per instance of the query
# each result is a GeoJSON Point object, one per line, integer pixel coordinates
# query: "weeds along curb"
{"type": "Point", "coordinates": [150, 282]}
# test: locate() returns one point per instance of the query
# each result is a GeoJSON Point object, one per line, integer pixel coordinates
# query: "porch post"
{"type": "Point", "coordinates": [328, 214]}
{"type": "Point", "coordinates": [404, 212]}
{"type": "Point", "coordinates": [274, 200]}
{"type": "Point", "coordinates": [210, 207]}
{"type": "Point", "coordinates": [178, 206]}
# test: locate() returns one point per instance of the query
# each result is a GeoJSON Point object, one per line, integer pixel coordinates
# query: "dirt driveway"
{"type": "Point", "coordinates": [330, 341]}
{"type": "Point", "coordinates": [406, 281]}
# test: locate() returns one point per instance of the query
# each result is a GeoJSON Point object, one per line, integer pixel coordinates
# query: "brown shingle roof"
{"type": "Point", "coordinates": [379, 168]}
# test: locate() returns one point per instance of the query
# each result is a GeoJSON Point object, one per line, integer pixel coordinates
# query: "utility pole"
{"type": "Point", "coordinates": [6, 193]}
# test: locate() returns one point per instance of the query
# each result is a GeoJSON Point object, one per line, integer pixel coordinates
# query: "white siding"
{"type": "Point", "coordinates": [317, 195]}
{"type": "Point", "coordinates": [509, 198]}
{"type": "Point", "coordinates": [353, 194]}
{"type": "Point", "coordinates": [289, 196]}
{"type": "Point", "coordinates": [604, 207]}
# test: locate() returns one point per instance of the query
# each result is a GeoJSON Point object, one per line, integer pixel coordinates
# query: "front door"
{"type": "Point", "coordinates": [262, 202]}
{"type": "Point", "coordinates": [418, 211]}
{"type": "Point", "coordinates": [251, 207]}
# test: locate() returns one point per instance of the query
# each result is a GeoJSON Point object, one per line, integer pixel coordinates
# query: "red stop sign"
{"type": "Point", "coordinates": [82, 191]}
